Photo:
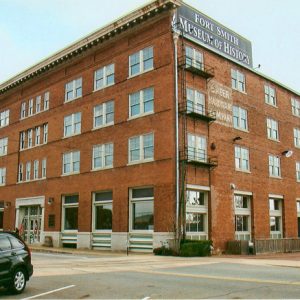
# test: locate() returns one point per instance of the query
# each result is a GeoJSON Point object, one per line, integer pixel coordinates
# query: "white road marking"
{"type": "Point", "coordinates": [50, 292]}
{"type": "Point", "coordinates": [146, 298]}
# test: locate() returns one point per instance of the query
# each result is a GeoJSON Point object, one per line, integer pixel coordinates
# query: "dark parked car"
{"type": "Point", "coordinates": [15, 262]}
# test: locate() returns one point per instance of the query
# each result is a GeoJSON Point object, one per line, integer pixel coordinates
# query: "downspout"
{"type": "Point", "coordinates": [175, 38]}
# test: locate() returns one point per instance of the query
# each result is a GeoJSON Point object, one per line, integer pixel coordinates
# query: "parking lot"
{"type": "Point", "coordinates": [115, 276]}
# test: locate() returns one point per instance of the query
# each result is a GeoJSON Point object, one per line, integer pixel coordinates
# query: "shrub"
{"type": "Point", "coordinates": [164, 251]}
{"type": "Point", "coordinates": [195, 248]}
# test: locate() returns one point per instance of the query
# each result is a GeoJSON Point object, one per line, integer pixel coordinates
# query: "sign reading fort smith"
{"type": "Point", "coordinates": [201, 29]}
{"type": "Point", "coordinates": [220, 101]}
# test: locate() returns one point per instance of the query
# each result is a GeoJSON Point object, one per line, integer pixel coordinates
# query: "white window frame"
{"type": "Point", "coordinates": [44, 168]}
{"type": "Point", "coordinates": [3, 146]}
{"type": "Point", "coordinates": [298, 171]}
{"type": "Point", "coordinates": [238, 81]}
{"type": "Point", "coordinates": [30, 108]}
{"type": "Point", "coordinates": [240, 118]}
{"type": "Point", "coordinates": [274, 164]}
{"type": "Point", "coordinates": [141, 148]}
{"type": "Point", "coordinates": [242, 211]}
{"type": "Point", "coordinates": [276, 213]}
{"type": "Point", "coordinates": [23, 110]}
{"type": "Point", "coordinates": [35, 169]}
{"type": "Point", "coordinates": [197, 148]}
{"type": "Point", "coordinates": [45, 133]}
{"type": "Point", "coordinates": [141, 61]}
{"type": "Point", "coordinates": [195, 101]}
{"type": "Point", "coordinates": [30, 138]}
{"type": "Point", "coordinates": [194, 58]}
{"type": "Point", "coordinates": [101, 203]}
{"type": "Point", "coordinates": [141, 103]}
{"type": "Point", "coordinates": [297, 137]}
{"type": "Point", "coordinates": [272, 129]}
{"type": "Point", "coordinates": [75, 126]}
{"type": "Point", "coordinates": [46, 100]}
{"type": "Point", "coordinates": [241, 155]}
{"type": "Point", "coordinates": [103, 149]}
{"type": "Point", "coordinates": [73, 87]}
{"type": "Point", "coordinates": [37, 135]}
{"type": "Point", "coordinates": [69, 205]}
{"type": "Point", "coordinates": [20, 173]}
{"type": "Point", "coordinates": [100, 110]}
{"type": "Point", "coordinates": [270, 95]}
{"type": "Point", "coordinates": [28, 171]}
{"type": "Point", "coordinates": [2, 176]}
{"type": "Point", "coordinates": [72, 162]}
{"type": "Point", "coordinates": [295, 107]}
{"type": "Point", "coordinates": [107, 71]}
{"type": "Point", "coordinates": [38, 104]}
{"type": "Point", "coordinates": [4, 118]}
{"type": "Point", "coordinates": [139, 200]}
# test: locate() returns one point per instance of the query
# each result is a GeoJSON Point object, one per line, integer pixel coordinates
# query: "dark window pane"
{"type": "Point", "coordinates": [71, 199]}
{"type": "Point", "coordinates": [103, 196]}
{"type": "Point", "coordinates": [143, 216]}
{"type": "Point", "coordinates": [1, 204]}
{"type": "Point", "coordinates": [4, 244]}
{"type": "Point", "coordinates": [142, 193]}
{"type": "Point", "coordinates": [71, 218]}
{"type": "Point", "coordinates": [1, 219]}
{"type": "Point", "coordinates": [103, 217]}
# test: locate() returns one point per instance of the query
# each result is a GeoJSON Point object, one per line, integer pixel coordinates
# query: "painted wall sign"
{"type": "Point", "coordinates": [203, 30]}
{"type": "Point", "coordinates": [220, 101]}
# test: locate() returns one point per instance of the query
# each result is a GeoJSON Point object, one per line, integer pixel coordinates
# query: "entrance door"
{"type": "Point", "coordinates": [30, 228]}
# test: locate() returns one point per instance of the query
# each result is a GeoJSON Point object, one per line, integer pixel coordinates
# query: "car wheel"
{"type": "Point", "coordinates": [18, 283]}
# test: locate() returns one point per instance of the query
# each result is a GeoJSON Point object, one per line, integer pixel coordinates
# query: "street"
{"type": "Point", "coordinates": [115, 276]}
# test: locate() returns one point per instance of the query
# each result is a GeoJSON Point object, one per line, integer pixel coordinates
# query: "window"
{"type": "Point", "coordinates": [242, 209]}
{"type": "Point", "coordinates": [141, 148]}
{"type": "Point", "coordinates": [274, 166]}
{"type": "Point", "coordinates": [71, 162]}
{"type": "Point", "coordinates": [20, 173]}
{"type": "Point", "coordinates": [241, 158]}
{"type": "Point", "coordinates": [2, 176]}
{"type": "Point", "coordinates": [141, 61]}
{"type": "Point", "coordinates": [275, 206]}
{"type": "Point", "coordinates": [103, 156]}
{"type": "Point", "coordinates": [297, 137]}
{"type": "Point", "coordinates": [29, 138]}
{"type": "Point", "coordinates": [45, 136]}
{"type": "Point", "coordinates": [103, 210]}
{"type": "Point", "coordinates": [193, 58]}
{"type": "Point", "coordinates": [195, 101]}
{"type": "Point", "coordinates": [22, 140]}
{"type": "Point", "coordinates": [5, 243]}
{"type": "Point", "coordinates": [38, 104]}
{"type": "Point", "coordinates": [104, 77]}
{"type": "Point", "coordinates": [240, 119]}
{"type": "Point", "coordinates": [4, 118]}
{"type": "Point", "coordinates": [104, 114]}
{"type": "Point", "coordinates": [270, 96]}
{"type": "Point", "coordinates": [3, 146]}
{"type": "Point", "coordinates": [238, 81]}
{"type": "Point", "coordinates": [272, 129]}
{"type": "Point", "coordinates": [141, 102]}
{"type": "Point", "coordinates": [28, 171]}
{"type": "Point", "coordinates": [1, 215]}
{"type": "Point", "coordinates": [70, 212]}
{"type": "Point", "coordinates": [295, 107]}
{"type": "Point", "coordinates": [46, 100]}
{"type": "Point", "coordinates": [36, 169]}
{"type": "Point", "coordinates": [72, 124]}
{"type": "Point", "coordinates": [44, 168]}
{"type": "Point", "coordinates": [298, 171]}
{"type": "Point", "coordinates": [196, 220]}
{"type": "Point", "coordinates": [37, 135]}
{"type": "Point", "coordinates": [197, 148]}
{"type": "Point", "coordinates": [73, 89]}
{"type": "Point", "coordinates": [30, 107]}
{"type": "Point", "coordinates": [23, 110]}
{"type": "Point", "coordinates": [298, 207]}
{"type": "Point", "coordinates": [142, 208]}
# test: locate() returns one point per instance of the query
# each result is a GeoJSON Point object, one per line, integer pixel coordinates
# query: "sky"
{"type": "Point", "coordinates": [31, 30]}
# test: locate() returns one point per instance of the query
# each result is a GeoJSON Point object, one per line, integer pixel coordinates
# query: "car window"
{"type": "Point", "coordinates": [15, 243]}
{"type": "Point", "coordinates": [4, 244]}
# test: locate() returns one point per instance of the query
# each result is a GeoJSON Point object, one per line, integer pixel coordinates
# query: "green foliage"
{"type": "Point", "coordinates": [164, 251]}
{"type": "Point", "coordinates": [195, 248]}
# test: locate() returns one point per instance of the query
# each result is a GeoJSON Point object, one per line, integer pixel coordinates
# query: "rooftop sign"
{"type": "Point", "coordinates": [203, 30]}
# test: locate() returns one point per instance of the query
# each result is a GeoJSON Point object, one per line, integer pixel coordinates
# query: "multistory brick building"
{"type": "Point", "coordinates": [152, 126]}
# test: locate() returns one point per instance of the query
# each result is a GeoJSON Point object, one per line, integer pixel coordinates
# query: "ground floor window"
{"type": "Point", "coordinates": [242, 210]}
{"type": "Point", "coordinates": [196, 218]}
{"type": "Point", "coordinates": [70, 212]}
{"type": "Point", "coordinates": [142, 208]}
{"type": "Point", "coordinates": [1, 214]}
{"type": "Point", "coordinates": [275, 206]}
{"type": "Point", "coordinates": [103, 210]}
{"type": "Point", "coordinates": [298, 215]}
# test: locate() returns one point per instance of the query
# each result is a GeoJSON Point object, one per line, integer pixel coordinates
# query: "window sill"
{"type": "Point", "coordinates": [141, 73]}
{"type": "Point", "coordinates": [236, 90]}
{"type": "Point", "coordinates": [275, 177]}
{"type": "Point", "coordinates": [32, 180]}
{"type": "Point", "coordinates": [243, 171]}
{"type": "Point", "coordinates": [37, 113]}
{"type": "Point", "coordinates": [36, 146]}
{"type": "Point", "coordinates": [67, 101]}
{"type": "Point", "coordinates": [140, 162]}
{"type": "Point", "coordinates": [104, 87]}
{"type": "Point", "coordinates": [272, 105]}
{"type": "Point", "coordinates": [102, 231]}
{"type": "Point", "coordinates": [103, 126]}
{"type": "Point", "coordinates": [1, 155]}
{"type": "Point", "coordinates": [70, 136]}
{"type": "Point", "coordinates": [69, 174]}
{"type": "Point", "coordinates": [273, 140]}
{"type": "Point", "coordinates": [140, 116]}
{"type": "Point", "coordinates": [102, 169]}
{"type": "Point", "coordinates": [241, 129]}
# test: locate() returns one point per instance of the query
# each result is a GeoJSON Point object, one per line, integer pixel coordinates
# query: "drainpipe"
{"type": "Point", "coordinates": [175, 38]}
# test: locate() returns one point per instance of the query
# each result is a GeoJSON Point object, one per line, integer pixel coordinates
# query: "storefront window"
{"type": "Point", "coordinates": [103, 210]}
{"type": "Point", "coordinates": [71, 212]}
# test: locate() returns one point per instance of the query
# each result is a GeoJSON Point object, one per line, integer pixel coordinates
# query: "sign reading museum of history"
{"type": "Point", "coordinates": [220, 101]}
{"type": "Point", "coordinates": [203, 30]}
